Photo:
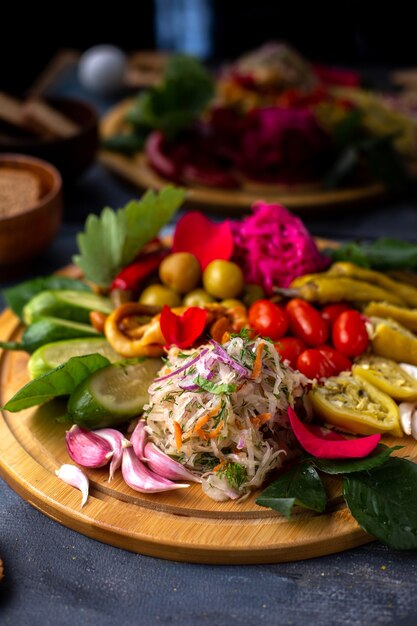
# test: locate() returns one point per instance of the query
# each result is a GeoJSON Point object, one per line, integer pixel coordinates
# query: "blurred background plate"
{"type": "Point", "coordinates": [303, 199]}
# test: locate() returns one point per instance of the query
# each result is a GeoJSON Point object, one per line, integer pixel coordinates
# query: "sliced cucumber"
{"type": "Point", "coordinates": [49, 329]}
{"type": "Point", "coordinates": [65, 304]}
{"type": "Point", "coordinates": [114, 394]}
{"type": "Point", "coordinates": [51, 355]}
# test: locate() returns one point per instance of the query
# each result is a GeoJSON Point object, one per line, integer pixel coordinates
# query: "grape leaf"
{"type": "Point", "coordinates": [60, 381]}
{"type": "Point", "coordinates": [300, 486]}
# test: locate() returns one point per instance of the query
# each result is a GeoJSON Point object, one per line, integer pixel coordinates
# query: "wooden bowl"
{"type": "Point", "coordinates": [27, 233]}
{"type": "Point", "coordinates": [72, 155]}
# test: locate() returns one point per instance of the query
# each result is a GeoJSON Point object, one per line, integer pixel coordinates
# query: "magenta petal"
{"type": "Point", "coordinates": [331, 448]}
{"type": "Point", "coordinates": [207, 240]}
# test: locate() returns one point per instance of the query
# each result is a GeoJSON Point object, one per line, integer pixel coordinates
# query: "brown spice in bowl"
{"type": "Point", "coordinates": [19, 190]}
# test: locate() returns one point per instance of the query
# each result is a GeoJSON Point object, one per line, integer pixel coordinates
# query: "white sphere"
{"type": "Point", "coordinates": [101, 69]}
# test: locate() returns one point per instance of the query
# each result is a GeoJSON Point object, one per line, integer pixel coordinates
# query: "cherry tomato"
{"type": "Point", "coordinates": [339, 361]}
{"type": "Point", "coordinates": [268, 319]}
{"type": "Point", "coordinates": [306, 323]}
{"type": "Point", "coordinates": [332, 311]}
{"type": "Point", "coordinates": [322, 362]}
{"type": "Point", "coordinates": [290, 348]}
{"type": "Point", "coordinates": [349, 334]}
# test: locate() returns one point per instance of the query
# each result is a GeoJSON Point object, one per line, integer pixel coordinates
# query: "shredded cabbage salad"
{"type": "Point", "coordinates": [221, 410]}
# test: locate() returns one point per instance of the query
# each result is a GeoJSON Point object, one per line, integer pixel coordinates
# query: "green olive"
{"type": "Point", "coordinates": [252, 293]}
{"type": "Point", "coordinates": [231, 303]}
{"type": "Point", "coordinates": [197, 297]}
{"type": "Point", "coordinates": [159, 295]}
{"type": "Point", "coordinates": [223, 279]}
{"type": "Point", "coordinates": [180, 271]}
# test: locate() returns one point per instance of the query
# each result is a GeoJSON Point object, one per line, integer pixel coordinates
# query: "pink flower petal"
{"type": "Point", "coordinates": [207, 240]}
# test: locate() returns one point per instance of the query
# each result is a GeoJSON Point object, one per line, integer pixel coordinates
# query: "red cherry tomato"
{"type": "Point", "coordinates": [322, 362]}
{"type": "Point", "coordinates": [306, 323]}
{"type": "Point", "coordinates": [349, 334]}
{"type": "Point", "coordinates": [268, 319]}
{"type": "Point", "coordinates": [339, 361]}
{"type": "Point", "coordinates": [290, 348]}
{"type": "Point", "coordinates": [332, 311]}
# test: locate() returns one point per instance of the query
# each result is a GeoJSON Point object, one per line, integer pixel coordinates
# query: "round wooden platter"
{"type": "Point", "coordinates": [306, 200]}
{"type": "Point", "coordinates": [183, 525]}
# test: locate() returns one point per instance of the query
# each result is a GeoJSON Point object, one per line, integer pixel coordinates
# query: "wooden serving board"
{"type": "Point", "coordinates": [303, 199]}
{"type": "Point", "coordinates": [185, 525]}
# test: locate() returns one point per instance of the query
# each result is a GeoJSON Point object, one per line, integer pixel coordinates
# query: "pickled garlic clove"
{"type": "Point", "coordinates": [138, 439]}
{"type": "Point", "coordinates": [407, 409]}
{"type": "Point", "coordinates": [87, 448]}
{"type": "Point", "coordinates": [117, 442]}
{"type": "Point", "coordinates": [73, 476]}
{"type": "Point", "coordinates": [164, 466]}
{"type": "Point", "coordinates": [137, 476]}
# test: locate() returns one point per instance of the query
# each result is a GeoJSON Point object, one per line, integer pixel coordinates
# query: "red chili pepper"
{"type": "Point", "coordinates": [325, 448]}
{"type": "Point", "coordinates": [131, 277]}
{"type": "Point", "coordinates": [182, 330]}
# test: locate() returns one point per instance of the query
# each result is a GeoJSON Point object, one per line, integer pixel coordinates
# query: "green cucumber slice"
{"type": "Point", "coordinates": [114, 394]}
{"type": "Point", "coordinates": [50, 329]}
{"type": "Point", "coordinates": [49, 356]}
{"type": "Point", "coordinates": [66, 304]}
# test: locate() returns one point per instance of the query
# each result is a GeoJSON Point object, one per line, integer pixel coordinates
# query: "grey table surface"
{"type": "Point", "coordinates": [54, 575]}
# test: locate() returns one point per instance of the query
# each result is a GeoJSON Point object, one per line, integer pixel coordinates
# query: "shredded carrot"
{"type": "Point", "coordinates": [219, 466]}
{"type": "Point", "coordinates": [212, 434]}
{"type": "Point", "coordinates": [226, 337]}
{"type": "Point", "coordinates": [205, 418]}
{"type": "Point", "coordinates": [259, 420]}
{"type": "Point", "coordinates": [178, 435]}
{"type": "Point", "coordinates": [258, 361]}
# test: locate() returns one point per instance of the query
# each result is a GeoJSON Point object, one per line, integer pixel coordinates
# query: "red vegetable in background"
{"type": "Point", "coordinates": [182, 330]}
{"type": "Point", "coordinates": [162, 163]}
{"type": "Point", "coordinates": [268, 319]}
{"type": "Point", "coordinates": [290, 348]}
{"type": "Point", "coordinates": [132, 276]}
{"type": "Point", "coordinates": [332, 311]}
{"type": "Point", "coordinates": [349, 334]}
{"type": "Point", "coordinates": [306, 323]}
{"type": "Point", "coordinates": [205, 239]}
{"type": "Point", "coordinates": [325, 448]}
{"type": "Point", "coordinates": [322, 362]}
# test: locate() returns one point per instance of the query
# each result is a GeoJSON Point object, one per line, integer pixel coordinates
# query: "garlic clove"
{"type": "Point", "coordinates": [140, 478]}
{"type": "Point", "coordinates": [138, 439]}
{"type": "Point", "coordinates": [406, 412]}
{"type": "Point", "coordinates": [117, 442]}
{"type": "Point", "coordinates": [87, 448]}
{"type": "Point", "coordinates": [72, 475]}
{"type": "Point", "coordinates": [162, 464]}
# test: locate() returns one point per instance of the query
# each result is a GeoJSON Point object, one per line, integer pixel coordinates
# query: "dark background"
{"type": "Point", "coordinates": [354, 34]}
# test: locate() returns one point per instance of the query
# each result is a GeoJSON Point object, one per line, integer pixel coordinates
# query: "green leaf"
{"type": "Point", "coordinates": [171, 106]}
{"type": "Point", "coordinates": [16, 297]}
{"type": "Point", "coordinates": [112, 239]}
{"type": "Point", "coordinates": [379, 456]}
{"type": "Point", "coordinates": [383, 254]}
{"type": "Point", "coordinates": [146, 217]}
{"type": "Point", "coordinates": [126, 144]}
{"type": "Point", "coordinates": [300, 486]}
{"type": "Point", "coordinates": [383, 501]}
{"type": "Point", "coordinates": [61, 381]}
{"type": "Point", "coordinates": [216, 388]}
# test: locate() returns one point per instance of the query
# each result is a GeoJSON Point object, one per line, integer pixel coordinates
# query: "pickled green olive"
{"type": "Point", "coordinates": [180, 271]}
{"type": "Point", "coordinates": [197, 297]}
{"type": "Point", "coordinates": [223, 279]}
{"type": "Point", "coordinates": [159, 295]}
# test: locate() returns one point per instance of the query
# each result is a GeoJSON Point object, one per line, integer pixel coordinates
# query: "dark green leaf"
{"type": "Point", "coordinates": [301, 485]}
{"type": "Point", "coordinates": [216, 388]}
{"type": "Point", "coordinates": [382, 254]}
{"type": "Point", "coordinates": [61, 381]}
{"type": "Point", "coordinates": [383, 501]}
{"type": "Point", "coordinates": [349, 130]}
{"type": "Point", "coordinates": [384, 162]}
{"type": "Point", "coordinates": [17, 297]}
{"type": "Point", "coordinates": [379, 456]}
{"type": "Point", "coordinates": [126, 144]}
{"type": "Point", "coordinates": [177, 101]}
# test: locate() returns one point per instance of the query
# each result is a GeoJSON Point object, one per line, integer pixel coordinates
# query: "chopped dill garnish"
{"type": "Point", "coordinates": [234, 473]}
